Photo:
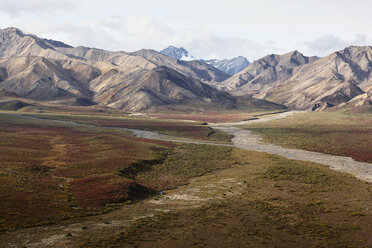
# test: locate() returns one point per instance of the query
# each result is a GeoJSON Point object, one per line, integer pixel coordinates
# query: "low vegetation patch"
{"type": "Point", "coordinates": [297, 172]}
{"type": "Point", "coordinates": [51, 172]}
{"type": "Point", "coordinates": [95, 192]}
{"type": "Point", "coordinates": [145, 164]}
{"type": "Point", "coordinates": [187, 161]}
{"type": "Point", "coordinates": [285, 203]}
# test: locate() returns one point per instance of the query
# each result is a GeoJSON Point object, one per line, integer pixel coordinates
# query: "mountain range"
{"type": "Point", "coordinates": [265, 72]}
{"type": "Point", "coordinates": [50, 71]}
{"type": "Point", "coordinates": [229, 66]}
{"type": "Point", "coordinates": [329, 81]}
{"type": "Point", "coordinates": [301, 82]}
{"type": "Point", "coordinates": [43, 70]}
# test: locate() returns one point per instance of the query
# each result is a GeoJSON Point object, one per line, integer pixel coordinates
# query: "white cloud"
{"type": "Point", "coordinates": [244, 28]}
{"type": "Point", "coordinates": [329, 43]}
{"type": "Point", "coordinates": [15, 8]}
{"type": "Point", "coordinates": [134, 33]}
{"type": "Point", "coordinates": [137, 32]}
{"type": "Point", "coordinates": [203, 43]}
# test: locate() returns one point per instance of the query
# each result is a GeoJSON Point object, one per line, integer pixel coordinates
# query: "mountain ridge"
{"type": "Point", "coordinates": [349, 70]}
{"type": "Point", "coordinates": [264, 72]}
{"type": "Point", "coordinates": [229, 66]}
{"type": "Point", "coordinates": [52, 71]}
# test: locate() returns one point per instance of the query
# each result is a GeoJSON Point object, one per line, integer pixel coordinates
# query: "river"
{"type": "Point", "coordinates": [246, 139]}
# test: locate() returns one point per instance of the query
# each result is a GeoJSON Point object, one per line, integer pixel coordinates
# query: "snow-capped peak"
{"type": "Point", "coordinates": [229, 66]}
{"type": "Point", "coordinates": [179, 53]}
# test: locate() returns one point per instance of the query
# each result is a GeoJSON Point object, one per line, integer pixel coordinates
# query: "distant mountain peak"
{"type": "Point", "coordinates": [14, 35]}
{"type": "Point", "coordinates": [11, 31]}
{"type": "Point", "coordinates": [295, 52]}
{"type": "Point", "coordinates": [179, 53]}
{"type": "Point", "coordinates": [354, 49]}
{"type": "Point", "coordinates": [230, 66]}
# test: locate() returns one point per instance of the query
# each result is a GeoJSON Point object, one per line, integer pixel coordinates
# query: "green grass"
{"type": "Point", "coordinates": [188, 161]}
{"type": "Point", "coordinates": [326, 132]}
{"type": "Point", "coordinates": [292, 170]}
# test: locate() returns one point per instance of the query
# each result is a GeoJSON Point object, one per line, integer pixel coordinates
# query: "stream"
{"type": "Point", "coordinates": [246, 139]}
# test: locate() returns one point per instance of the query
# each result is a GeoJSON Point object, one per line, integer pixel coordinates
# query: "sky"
{"type": "Point", "coordinates": [206, 28]}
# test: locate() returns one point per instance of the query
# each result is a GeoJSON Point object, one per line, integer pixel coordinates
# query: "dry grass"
{"type": "Point", "coordinates": [285, 204]}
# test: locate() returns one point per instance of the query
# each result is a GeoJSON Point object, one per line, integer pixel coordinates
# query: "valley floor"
{"type": "Point", "coordinates": [202, 195]}
{"type": "Point", "coordinates": [262, 201]}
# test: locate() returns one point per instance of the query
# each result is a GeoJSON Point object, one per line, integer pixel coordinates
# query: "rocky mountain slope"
{"type": "Point", "coordinates": [159, 86]}
{"type": "Point", "coordinates": [51, 71]}
{"type": "Point", "coordinates": [360, 104]}
{"type": "Point", "coordinates": [329, 81]}
{"type": "Point", "coordinates": [229, 66]}
{"type": "Point", "coordinates": [44, 79]}
{"type": "Point", "coordinates": [14, 42]}
{"type": "Point", "coordinates": [265, 72]}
